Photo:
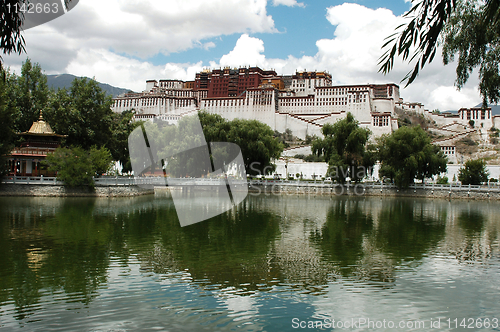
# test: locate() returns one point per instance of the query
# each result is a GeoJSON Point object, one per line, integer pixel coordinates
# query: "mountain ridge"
{"type": "Point", "coordinates": [60, 81]}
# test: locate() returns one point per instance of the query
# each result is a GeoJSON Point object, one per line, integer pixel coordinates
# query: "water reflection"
{"type": "Point", "coordinates": [407, 230]}
{"type": "Point", "coordinates": [341, 239]}
{"type": "Point", "coordinates": [77, 250]}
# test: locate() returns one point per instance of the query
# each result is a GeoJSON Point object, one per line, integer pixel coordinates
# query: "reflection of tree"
{"type": "Point", "coordinates": [68, 246]}
{"type": "Point", "coordinates": [79, 255]}
{"type": "Point", "coordinates": [68, 250]}
{"type": "Point", "coordinates": [230, 249]}
{"type": "Point", "coordinates": [407, 231]}
{"type": "Point", "coordinates": [341, 238]}
{"type": "Point", "coordinates": [472, 222]}
{"type": "Point", "coordinates": [364, 251]}
{"type": "Point", "coordinates": [473, 247]}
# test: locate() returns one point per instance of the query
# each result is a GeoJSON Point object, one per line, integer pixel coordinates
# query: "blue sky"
{"type": "Point", "coordinates": [292, 38]}
{"type": "Point", "coordinates": [126, 42]}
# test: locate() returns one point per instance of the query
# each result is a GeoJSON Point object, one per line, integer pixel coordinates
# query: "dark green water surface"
{"type": "Point", "coordinates": [273, 263]}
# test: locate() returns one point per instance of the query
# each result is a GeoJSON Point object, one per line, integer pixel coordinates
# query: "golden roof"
{"type": "Point", "coordinates": [41, 128]}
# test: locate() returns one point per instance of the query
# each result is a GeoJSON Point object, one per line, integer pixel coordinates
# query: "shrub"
{"type": "Point", "coordinates": [442, 180]}
{"type": "Point", "coordinates": [77, 166]}
{"type": "Point", "coordinates": [474, 172]}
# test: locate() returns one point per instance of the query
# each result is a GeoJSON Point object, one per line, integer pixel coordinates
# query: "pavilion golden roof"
{"type": "Point", "coordinates": [42, 128]}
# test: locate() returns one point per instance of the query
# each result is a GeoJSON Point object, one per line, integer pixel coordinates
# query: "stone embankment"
{"type": "Point", "coordinates": [64, 191]}
{"type": "Point", "coordinates": [429, 191]}
{"type": "Point", "coordinates": [113, 188]}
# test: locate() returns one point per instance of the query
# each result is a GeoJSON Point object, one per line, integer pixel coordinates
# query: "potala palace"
{"type": "Point", "coordinates": [302, 102]}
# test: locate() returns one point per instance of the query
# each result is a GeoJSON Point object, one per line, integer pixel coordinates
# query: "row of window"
{"type": "Point", "coordinates": [476, 114]}
{"type": "Point", "coordinates": [225, 102]}
{"type": "Point", "coordinates": [448, 150]}
{"type": "Point", "coordinates": [380, 120]}
{"type": "Point", "coordinates": [148, 102]}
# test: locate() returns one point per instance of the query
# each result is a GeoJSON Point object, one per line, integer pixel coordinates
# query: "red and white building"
{"type": "Point", "coordinates": [302, 102]}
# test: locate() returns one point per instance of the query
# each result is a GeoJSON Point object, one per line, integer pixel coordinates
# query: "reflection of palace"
{"type": "Point", "coordinates": [26, 159]}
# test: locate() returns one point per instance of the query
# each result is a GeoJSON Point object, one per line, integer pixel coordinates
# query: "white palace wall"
{"type": "Point", "coordinates": [299, 127]}
{"type": "Point", "coordinates": [371, 105]}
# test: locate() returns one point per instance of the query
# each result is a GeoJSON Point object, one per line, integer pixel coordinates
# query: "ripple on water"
{"type": "Point", "coordinates": [342, 271]}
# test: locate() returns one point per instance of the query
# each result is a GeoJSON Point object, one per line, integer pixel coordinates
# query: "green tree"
{"type": "Point", "coordinates": [408, 154]}
{"type": "Point", "coordinates": [11, 40]}
{"type": "Point", "coordinates": [175, 144]}
{"type": "Point", "coordinates": [29, 93]}
{"type": "Point", "coordinates": [6, 124]}
{"type": "Point", "coordinates": [83, 113]}
{"type": "Point", "coordinates": [215, 127]}
{"type": "Point", "coordinates": [255, 139]}
{"type": "Point", "coordinates": [467, 28]}
{"type": "Point", "coordinates": [258, 145]}
{"type": "Point", "coordinates": [73, 166]}
{"type": "Point", "coordinates": [77, 166]}
{"type": "Point", "coordinates": [442, 180]}
{"type": "Point", "coordinates": [122, 125]}
{"type": "Point", "coordinates": [344, 146]}
{"type": "Point", "coordinates": [474, 172]}
{"type": "Point", "coordinates": [101, 160]}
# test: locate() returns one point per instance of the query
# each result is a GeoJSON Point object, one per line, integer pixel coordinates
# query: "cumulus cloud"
{"type": "Point", "coordinates": [111, 38]}
{"type": "Point", "coordinates": [143, 28]}
{"type": "Point", "coordinates": [124, 72]}
{"type": "Point", "coordinates": [248, 51]}
{"type": "Point", "coordinates": [352, 56]}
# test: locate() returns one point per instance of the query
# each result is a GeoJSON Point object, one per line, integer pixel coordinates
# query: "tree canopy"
{"type": "Point", "coordinates": [344, 148]}
{"type": "Point", "coordinates": [7, 124]}
{"type": "Point", "coordinates": [473, 172]}
{"type": "Point", "coordinates": [408, 154]}
{"type": "Point", "coordinates": [82, 112]}
{"type": "Point", "coordinates": [77, 166]}
{"type": "Point", "coordinates": [28, 93]}
{"type": "Point", "coordinates": [467, 28]}
{"type": "Point", "coordinates": [11, 39]}
{"type": "Point", "coordinates": [255, 139]}
{"type": "Point", "coordinates": [185, 149]}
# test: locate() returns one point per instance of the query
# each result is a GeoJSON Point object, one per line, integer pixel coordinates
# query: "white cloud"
{"type": "Point", "coordinates": [448, 97]}
{"type": "Point", "coordinates": [141, 29]}
{"type": "Point", "coordinates": [289, 3]}
{"type": "Point", "coordinates": [106, 34]}
{"type": "Point", "coordinates": [248, 51]}
{"type": "Point", "coordinates": [124, 72]}
{"type": "Point", "coordinates": [146, 27]}
{"type": "Point", "coordinates": [352, 55]}
{"type": "Point", "coordinates": [208, 45]}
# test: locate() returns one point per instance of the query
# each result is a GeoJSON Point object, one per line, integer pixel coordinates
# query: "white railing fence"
{"type": "Point", "coordinates": [161, 181]}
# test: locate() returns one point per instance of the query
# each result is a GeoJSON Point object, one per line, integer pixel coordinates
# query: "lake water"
{"type": "Point", "coordinates": [273, 263]}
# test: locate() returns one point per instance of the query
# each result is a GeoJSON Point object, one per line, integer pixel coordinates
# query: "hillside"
{"type": "Point", "coordinates": [64, 81]}
{"type": "Point", "coordinates": [470, 142]}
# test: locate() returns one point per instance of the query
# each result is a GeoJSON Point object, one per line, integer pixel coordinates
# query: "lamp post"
{"type": "Point", "coordinates": [286, 168]}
